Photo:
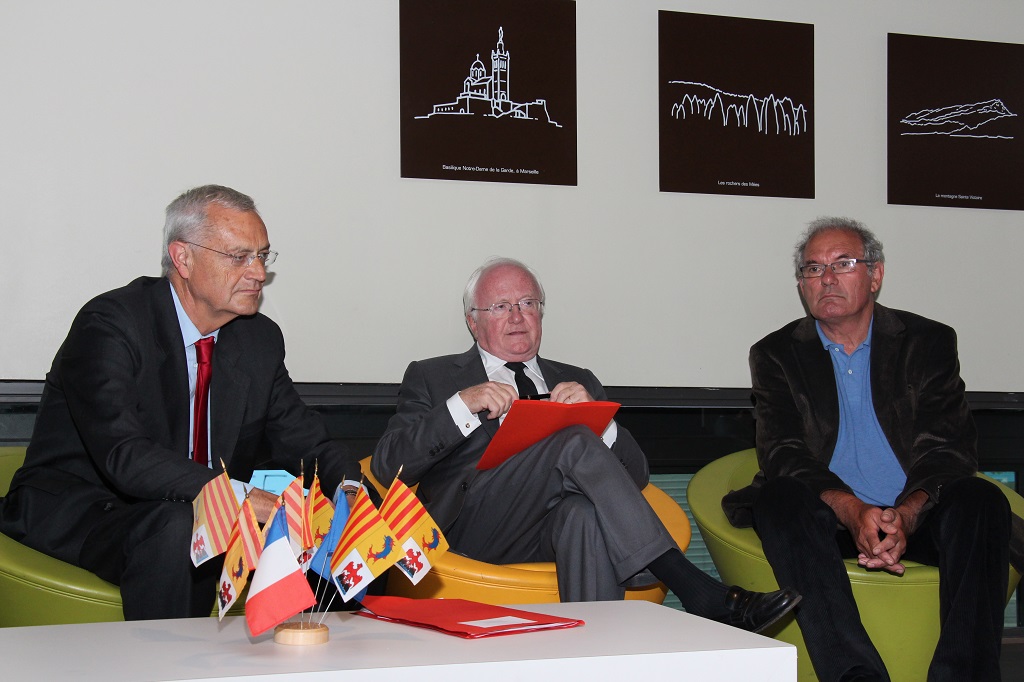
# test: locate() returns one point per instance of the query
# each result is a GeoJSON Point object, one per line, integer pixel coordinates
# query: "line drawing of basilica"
{"type": "Point", "coordinates": [486, 94]}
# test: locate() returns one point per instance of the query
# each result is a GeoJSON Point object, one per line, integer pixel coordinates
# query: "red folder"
{"type": "Point", "coordinates": [460, 617]}
{"type": "Point", "coordinates": [530, 421]}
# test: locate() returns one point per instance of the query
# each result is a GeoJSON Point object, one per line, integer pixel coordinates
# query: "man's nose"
{"type": "Point", "coordinates": [257, 270]}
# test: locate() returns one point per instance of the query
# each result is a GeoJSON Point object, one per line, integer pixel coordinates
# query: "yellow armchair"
{"type": "Point", "coordinates": [458, 577]}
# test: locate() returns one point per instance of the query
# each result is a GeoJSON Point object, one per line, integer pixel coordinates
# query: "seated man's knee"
{"type": "Point", "coordinates": [782, 499]}
{"type": "Point", "coordinates": [975, 497]}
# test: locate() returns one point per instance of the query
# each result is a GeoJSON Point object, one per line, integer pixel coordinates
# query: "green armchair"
{"type": "Point", "coordinates": [36, 589]}
{"type": "Point", "coordinates": [887, 602]}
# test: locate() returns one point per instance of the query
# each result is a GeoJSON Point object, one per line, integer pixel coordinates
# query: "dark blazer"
{"type": "Point", "coordinates": [423, 440]}
{"type": "Point", "coordinates": [113, 421]}
{"type": "Point", "coordinates": [918, 397]}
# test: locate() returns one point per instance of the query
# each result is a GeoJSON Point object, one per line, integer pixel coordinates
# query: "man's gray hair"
{"type": "Point", "coordinates": [186, 215]}
{"type": "Point", "coordinates": [469, 296]}
{"type": "Point", "coordinates": [872, 245]}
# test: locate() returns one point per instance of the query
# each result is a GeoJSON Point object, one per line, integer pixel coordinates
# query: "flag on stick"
{"type": "Point", "coordinates": [366, 548]}
{"type": "Point", "coordinates": [278, 590]}
{"type": "Point", "coordinates": [214, 511]}
{"type": "Point", "coordinates": [234, 574]}
{"type": "Point", "coordinates": [321, 563]}
{"type": "Point", "coordinates": [293, 499]}
{"type": "Point", "coordinates": [249, 533]}
{"type": "Point", "coordinates": [417, 534]}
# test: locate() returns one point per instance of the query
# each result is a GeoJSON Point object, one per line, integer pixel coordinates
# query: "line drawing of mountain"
{"type": "Point", "coordinates": [959, 120]}
{"type": "Point", "coordinates": [707, 101]}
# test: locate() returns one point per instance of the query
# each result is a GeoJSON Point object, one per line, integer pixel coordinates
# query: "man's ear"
{"type": "Point", "coordinates": [181, 258]}
{"type": "Point", "coordinates": [471, 324]}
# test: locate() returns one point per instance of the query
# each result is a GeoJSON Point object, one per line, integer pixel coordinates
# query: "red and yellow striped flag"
{"type": "Point", "coordinates": [367, 534]}
{"type": "Point", "coordinates": [294, 509]}
{"type": "Point", "coordinates": [214, 511]}
{"type": "Point", "coordinates": [418, 536]}
{"type": "Point", "coordinates": [249, 534]}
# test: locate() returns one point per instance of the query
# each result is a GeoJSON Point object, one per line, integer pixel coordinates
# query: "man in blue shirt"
{"type": "Point", "coordinates": [867, 449]}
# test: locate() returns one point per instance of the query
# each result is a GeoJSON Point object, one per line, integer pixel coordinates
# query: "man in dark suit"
{"type": "Point", "coordinates": [868, 449]}
{"type": "Point", "coordinates": [573, 498]}
{"type": "Point", "coordinates": [114, 462]}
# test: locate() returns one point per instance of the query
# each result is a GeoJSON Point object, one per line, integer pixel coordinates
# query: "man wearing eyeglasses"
{"type": "Point", "coordinates": [867, 450]}
{"type": "Point", "coordinates": [573, 498]}
{"type": "Point", "coordinates": [125, 438]}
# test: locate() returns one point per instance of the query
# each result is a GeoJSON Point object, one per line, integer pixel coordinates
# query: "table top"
{"type": "Point", "coordinates": [203, 648]}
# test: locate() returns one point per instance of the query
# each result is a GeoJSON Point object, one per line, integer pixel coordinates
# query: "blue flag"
{"type": "Point", "coordinates": [321, 564]}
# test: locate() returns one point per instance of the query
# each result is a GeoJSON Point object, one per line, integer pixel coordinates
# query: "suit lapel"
{"type": "Point", "coordinates": [818, 377]}
{"type": "Point", "coordinates": [229, 384]}
{"type": "Point", "coordinates": [173, 372]}
{"type": "Point", "coordinates": [886, 347]}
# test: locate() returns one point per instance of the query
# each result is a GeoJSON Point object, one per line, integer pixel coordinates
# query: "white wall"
{"type": "Point", "coordinates": [109, 109]}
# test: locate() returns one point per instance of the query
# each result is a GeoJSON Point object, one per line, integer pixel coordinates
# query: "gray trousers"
{"type": "Point", "coordinates": [566, 499]}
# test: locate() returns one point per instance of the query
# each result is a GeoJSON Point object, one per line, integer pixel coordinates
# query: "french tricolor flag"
{"type": "Point", "coordinates": [278, 590]}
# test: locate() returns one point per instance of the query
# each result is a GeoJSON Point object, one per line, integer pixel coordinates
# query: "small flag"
{"type": "Point", "coordinates": [366, 548]}
{"type": "Point", "coordinates": [250, 534]}
{"type": "Point", "coordinates": [321, 563]}
{"type": "Point", "coordinates": [278, 590]}
{"type": "Point", "coordinates": [319, 513]}
{"type": "Point", "coordinates": [417, 534]}
{"type": "Point", "coordinates": [214, 511]}
{"type": "Point", "coordinates": [234, 574]}
{"type": "Point", "coordinates": [294, 501]}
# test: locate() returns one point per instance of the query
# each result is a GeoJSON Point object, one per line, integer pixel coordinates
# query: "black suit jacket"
{"type": "Point", "coordinates": [916, 390]}
{"type": "Point", "coordinates": [423, 440]}
{"type": "Point", "coordinates": [113, 421]}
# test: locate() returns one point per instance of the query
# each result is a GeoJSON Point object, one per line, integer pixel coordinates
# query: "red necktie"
{"type": "Point", "coordinates": [200, 441]}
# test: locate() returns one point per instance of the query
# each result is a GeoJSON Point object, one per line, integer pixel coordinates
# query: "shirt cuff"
{"type": "Point", "coordinates": [463, 418]}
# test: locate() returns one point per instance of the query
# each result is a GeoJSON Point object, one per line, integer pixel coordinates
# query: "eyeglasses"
{"type": "Point", "coordinates": [527, 306]}
{"type": "Point", "coordinates": [840, 267]}
{"type": "Point", "coordinates": [243, 260]}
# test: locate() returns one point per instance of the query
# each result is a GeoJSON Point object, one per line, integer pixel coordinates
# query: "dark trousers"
{"type": "Point", "coordinates": [567, 499]}
{"type": "Point", "coordinates": [144, 548]}
{"type": "Point", "coordinates": [966, 535]}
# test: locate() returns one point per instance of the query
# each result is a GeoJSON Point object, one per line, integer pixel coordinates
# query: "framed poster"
{"type": "Point", "coordinates": [488, 90]}
{"type": "Point", "coordinates": [736, 105]}
{"type": "Point", "coordinates": [955, 134]}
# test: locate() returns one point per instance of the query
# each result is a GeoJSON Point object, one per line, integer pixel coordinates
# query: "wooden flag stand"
{"type": "Point", "coordinates": [301, 634]}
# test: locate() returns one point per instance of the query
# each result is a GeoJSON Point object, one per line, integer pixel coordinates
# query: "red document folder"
{"type": "Point", "coordinates": [529, 421]}
{"type": "Point", "coordinates": [460, 617]}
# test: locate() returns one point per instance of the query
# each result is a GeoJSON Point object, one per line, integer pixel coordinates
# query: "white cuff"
{"type": "Point", "coordinates": [463, 418]}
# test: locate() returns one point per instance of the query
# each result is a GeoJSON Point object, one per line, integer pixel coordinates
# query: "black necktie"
{"type": "Point", "coordinates": [524, 384]}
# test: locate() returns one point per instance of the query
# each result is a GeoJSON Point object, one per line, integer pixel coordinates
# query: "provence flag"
{"type": "Point", "coordinates": [214, 511]}
{"type": "Point", "coordinates": [417, 534]}
{"type": "Point", "coordinates": [278, 590]}
{"type": "Point", "coordinates": [366, 548]}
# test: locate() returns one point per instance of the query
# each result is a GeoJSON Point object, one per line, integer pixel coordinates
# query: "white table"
{"type": "Point", "coordinates": [628, 640]}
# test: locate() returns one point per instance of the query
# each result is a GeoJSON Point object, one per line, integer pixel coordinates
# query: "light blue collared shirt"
{"type": "Point", "coordinates": [189, 335]}
{"type": "Point", "coordinates": [863, 457]}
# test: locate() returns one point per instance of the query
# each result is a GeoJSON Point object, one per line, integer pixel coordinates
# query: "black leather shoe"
{"type": "Point", "coordinates": [755, 611]}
